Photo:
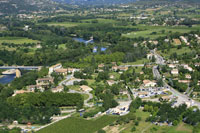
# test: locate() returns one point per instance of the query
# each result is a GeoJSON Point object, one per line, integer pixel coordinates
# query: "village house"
{"type": "Point", "coordinates": [197, 64]}
{"type": "Point", "coordinates": [174, 72]}
{"type": "Point", "coordinates": [32, 88]}
{"type": "Point", "coordinates": [112, 76]}
{"type": "Point", "coordinates": [184, 39]}
{"type": "Point", "coordinates": [176, 41]}
{"type": "Point", "coordinates": [143, 94]}
{"type": "Point", "coordinates": [44, 81]}
{"type": "Point", "coordinates": [72, 70]}
{"type": "Point", "coordinates": [54, 67]}
{"type": "Point", "coordinates": [121, 68]}
{"type": "Point", "coordinates": [149, 56]}
{"type": "Point", "coordinates": [111, 82]}
{"type": "Point", "coordinates": [57, 89]}
{"type": "Point", "coordinates": [166, 98]}
{"type": "Point", "coordinates": [20, 92]}
{"type": "Point", "coordinates": [61, 71]}
{"type": "Point", "coordinates": [184, 81]}
{"type": "Point", "coordinates": [188, 68]}
{"type": "Point", "coordinates": [188, 76]}
{"type": "Point", "coordinates": [148, 83]}
{"type": "Point", "coordinates": [100, 66]}
{"type": "Point", "coordinates": [85, 88]}
{"type": "Point", "coordinates": [171, 65]}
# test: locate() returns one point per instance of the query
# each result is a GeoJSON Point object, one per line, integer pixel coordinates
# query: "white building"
{"type": "Point", "coordinates": [174, 71]}
{"type": "Point", "coordinates": [54, 67]}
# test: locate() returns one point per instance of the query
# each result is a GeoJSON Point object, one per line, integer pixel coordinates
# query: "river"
{"type": "Point", "coordinates": [7, 79]}
{"type": "Point", "coordinates": [83, 40]}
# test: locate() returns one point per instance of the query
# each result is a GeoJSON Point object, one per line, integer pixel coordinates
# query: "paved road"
{"type": "Point", "coordinates": [159, 59]}
{"type": "Point", "coordinates": [139, 65]}
{"type": "Point", "coordinates": [181, 97]}
{"type": "Point", "coordinates": [156, 73]}
{"type": "Point", "coordinates": [20, 67]}
{"type": "Point", "coordinates": [68, 77]}
{"type": "Point", "coordinates": [57, 119]}
{"type": "Point", "coordinates": [85, 101]}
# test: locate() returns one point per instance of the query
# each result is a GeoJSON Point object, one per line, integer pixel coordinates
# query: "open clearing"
{"type": "Point", "coordinates": [79, 125]}
{"type": "Point", "coordinates": [157, 31]}
{"type": "Point", "coordinates": [16, 40]}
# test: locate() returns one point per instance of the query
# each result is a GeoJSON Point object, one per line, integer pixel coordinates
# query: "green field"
{"type": "Point", "coordinates": [167, 54]}
{"type": "Point", "coordinates": [16, 40]}
{"type": "Point", "coordinates": [138, 62]}
{"type": "Point", "coordinates": [79, 125]}
{"type": "Point", "coordinates": [83, 22]}
{"type": "Point", "coordinates": [145, 31]}
{"type": "Point", "coordinates": [147, 127]}
{"type": "Point", "coordinates": [64, 24]}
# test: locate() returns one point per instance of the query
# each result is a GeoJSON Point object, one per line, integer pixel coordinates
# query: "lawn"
{"type": "Point", "coordinates": [101, 20]}
{"type": "Point", "coordinates": [65, 24]}
{"type": "Point", "coordinates": [145, 31]}
{"type": "Point", "coordinates": [79, 125]}
{"type": "Point", "coordinates": [16, 40]}
{"type": "Point", "coordinates": [167, 53]}
{"type": "Point", "coordinates": [86, 96]}
{"type": "Point", "coordinates": [147, 127]}
{"type": "Point", "coordinates": [138, 62]}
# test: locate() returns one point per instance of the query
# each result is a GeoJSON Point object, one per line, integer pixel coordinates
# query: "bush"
{"type": "Point", "coordinates": [101, 131]}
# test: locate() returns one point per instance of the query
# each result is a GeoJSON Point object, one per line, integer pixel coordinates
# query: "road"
{"type": "Point", "coordinates": [159, 59]}
{"type": "Point", "coordinates": [156, 73]}
{"type": "Point", "coordinates": [68, 77]}
{"type": "Point", "coordinates": [181, 98]}
{"type": "Point", "coordinates": [85, 101]}
{"type": "Point", "coordinates": [21, 67]}
{"type": "Point", "coordinates": [57, 119]}
{"type": "Point", "coordinates": [139, 65]}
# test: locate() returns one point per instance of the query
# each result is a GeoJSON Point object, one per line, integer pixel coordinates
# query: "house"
{"type": "Point", "coordinates": [100, 65]}
{"type": "Point", "coordinates": [20, 92]}
{"type": "Point", "coordinates": [166, 40]}
{"type": "Point", "coordinates": [197, 64]}
{"type": "Point", "coordinates": [174, 71]}
{"type": "Point", "coordinates": [148, 83]}
{"type": "Point", "coordinates": [184, 39]}
{"type": "Point", "coordinates": [57, 89]}
{"type": "Point", "coordinates": [111, 82]}
{"type": "Point", "coordinates": [141, 73]}
{"type": "Point", "coordinates": [143, 94]}
{"type": "Point", "coordinates": [44, 81]}
{"type": "Point", "coordinates": [121, 68]}
{"type": "Point", "coordinates": [184, 81]}
{"type": "Point", "coordinates": [114, 68]}
{"type": "Point", "coordinates": [112, 76]}
{"type": "Point", "coordinates": [188, 76]}
{"type": "Point", "coordinates": [165, 98]}
{"type": "Point", "coordinates": [171, 65]}
{"type": "Point", "coordinates": [33, 87]}
{"type": "Point", "coordinates": [188, 68]}
{"type": "Point", "coordinates": [61, 71]}
{"type": "Point", "coordinates": [85, 88]}
{"type": "Point", "coordinates": [149, 56]}
{"type": "Point", "coordinates": [72, 70]}
{"type": "Point", "coordinates": [177, 41]}
{"type": "Point", "coordinates": [54, 67]}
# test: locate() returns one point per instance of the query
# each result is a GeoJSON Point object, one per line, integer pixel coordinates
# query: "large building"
{"type": "Point", "coordinates": [54, 67]}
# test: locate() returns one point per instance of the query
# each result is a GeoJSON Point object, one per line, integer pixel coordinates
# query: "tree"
{"type": "Point", "coordinates": [1, 63]}
{"type": "Point", "coordinates": [160, 82]}
{"type": "Point", "coordinates": [101, 131]}
{"type": "Point", "coordinates": [133, 129]}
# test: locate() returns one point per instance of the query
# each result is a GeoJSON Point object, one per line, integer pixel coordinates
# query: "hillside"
{"type": "Point", "coordinates": [96, 2]}
{"type": "Point", "coordinates": [24, 6]}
